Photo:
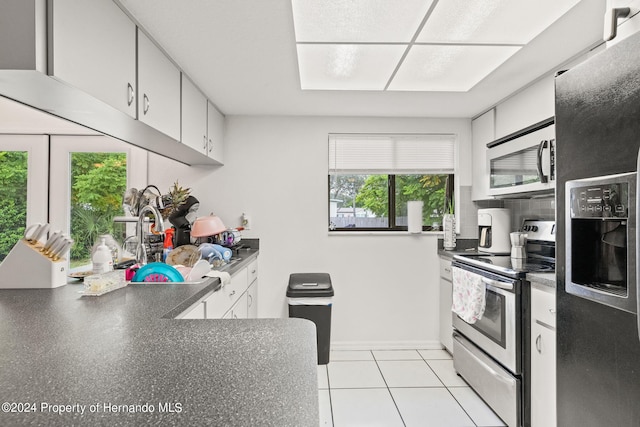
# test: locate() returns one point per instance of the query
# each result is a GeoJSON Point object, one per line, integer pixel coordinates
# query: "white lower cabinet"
{"type": "Point", "coordinates": [446, 301]}
{"type": "Point", "coordinates": [252, 300]}
{"type": "Point", "coordinates": [543, 356]}
{"type": "Point", "coordinates": [237, 300]}
{"type": "Point", "coordinates": [239, 309]}
{"type": "Point", "coordinates": [252, 291]}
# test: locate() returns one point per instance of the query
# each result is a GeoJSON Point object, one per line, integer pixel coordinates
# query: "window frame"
{"type": "Point", "coordinates": [61, 148]}
{"type": "Point", "coordinates": [37, 148]}
{"type": "Point", "coordinates": [391, 208]}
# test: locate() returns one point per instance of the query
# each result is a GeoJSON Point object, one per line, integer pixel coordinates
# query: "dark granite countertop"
{"type": "Point", "coordinates": [117, 359]}
{"type": "Point", "coordinates": [546, 279]}
{"type": "Point", "coordinates": [463, 246]}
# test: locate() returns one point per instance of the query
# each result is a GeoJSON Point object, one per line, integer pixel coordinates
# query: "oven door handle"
{"type": "Point", "coordinates": [497, 284]}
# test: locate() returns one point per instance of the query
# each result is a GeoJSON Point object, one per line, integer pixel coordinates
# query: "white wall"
{"type": "Point", "coordinates": [276, 171]}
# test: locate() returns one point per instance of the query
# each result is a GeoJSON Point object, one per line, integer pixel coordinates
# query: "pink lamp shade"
{"type": "Point", "coordinates": [207, 226]}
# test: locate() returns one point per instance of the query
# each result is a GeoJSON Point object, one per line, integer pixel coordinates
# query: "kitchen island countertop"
{"type": "Point", "coordinates": [122, 360]}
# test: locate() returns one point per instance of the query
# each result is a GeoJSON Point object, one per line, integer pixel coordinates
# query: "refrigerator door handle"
{"type": "Point", "coordinates": [543, 178]}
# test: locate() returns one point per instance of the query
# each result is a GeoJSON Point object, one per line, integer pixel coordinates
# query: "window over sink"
{"type": "Point", "coordinates": [373, 176]}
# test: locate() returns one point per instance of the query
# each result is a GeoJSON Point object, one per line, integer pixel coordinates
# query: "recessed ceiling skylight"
{"type": "Point", "coordinates": [347, 66]}
{"type": "Point", "coordinates": [351, 21]}
{"type": "Point", "coordinates": [450, 68]}
{"type": "Point", "coordinates": [418, 45]}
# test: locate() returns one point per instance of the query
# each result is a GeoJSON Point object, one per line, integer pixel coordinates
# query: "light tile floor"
{"type": "Point", "coordinates": [398, 388]}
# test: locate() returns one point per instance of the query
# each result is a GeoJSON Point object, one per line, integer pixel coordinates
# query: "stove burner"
{"type": "Point", "coordinates": [538, 268]}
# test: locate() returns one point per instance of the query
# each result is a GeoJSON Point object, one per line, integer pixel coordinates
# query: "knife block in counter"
{"type": "Point", "coordinates": [25, 267]}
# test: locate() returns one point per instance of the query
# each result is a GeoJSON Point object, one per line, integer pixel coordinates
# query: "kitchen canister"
{"type": "Point", "coordinates": [449, 227]}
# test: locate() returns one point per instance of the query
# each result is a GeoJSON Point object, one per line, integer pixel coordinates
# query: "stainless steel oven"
{"type": "Point", "coordinates": [497, 332]}
{"type": "Point", "coordinates": [490, 352]}
{"type": "Point", "coordinates": [487, 353]}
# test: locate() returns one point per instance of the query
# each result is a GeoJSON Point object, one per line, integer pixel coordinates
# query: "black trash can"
{"type": "Point", "coordinates": [310, 297]}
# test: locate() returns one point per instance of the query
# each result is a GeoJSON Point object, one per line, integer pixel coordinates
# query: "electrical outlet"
{"type": "Point", "coordinates": [246, 223]}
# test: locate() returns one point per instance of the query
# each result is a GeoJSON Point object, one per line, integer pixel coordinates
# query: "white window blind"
{"type": "Point", "coordinates": [391, 154]}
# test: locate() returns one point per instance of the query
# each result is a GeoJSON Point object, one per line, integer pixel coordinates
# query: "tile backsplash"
{"type": "Point", "coordinates": [543, 208]}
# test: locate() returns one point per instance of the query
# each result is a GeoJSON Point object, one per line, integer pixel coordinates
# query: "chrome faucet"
{"type": "Point", "coordinates": [141, 251]}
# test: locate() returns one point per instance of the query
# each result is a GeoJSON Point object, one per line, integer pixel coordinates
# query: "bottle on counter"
{"type": "Point", "coordinates": [168, 243]}
{"type": "Point", "coordinates": [102, 258]}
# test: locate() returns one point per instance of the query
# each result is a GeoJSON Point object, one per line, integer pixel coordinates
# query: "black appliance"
{"type": "Point", "coordinates": [598, 136]}
{"type": "Point", "coordinates": [492, 354]}
{"type": "Point", "coordinates": [181, 219]}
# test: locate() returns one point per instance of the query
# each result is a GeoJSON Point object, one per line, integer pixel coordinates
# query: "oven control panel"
{"type": "Point", "coordinates": [609, 200]}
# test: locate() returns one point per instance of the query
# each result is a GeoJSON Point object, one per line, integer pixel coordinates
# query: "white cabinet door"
{"type": "Point", "coordinates": [252, 300]}
{"type": "Point", "coordinates": [532, 105]}
{"type": "Point", "coordinates": [158, 89]}
{"type": "Point", "coordinates": [222, 300]}
{"type": "Point", "coordinates": [94, 49]}
{"type": "Point", "coordinates": [215, 133]}
{"type": "Point", "coordinates": [194, 116]}
{"type": "Point", "coordinates": [239, 309]}
{"type": "Point", "coordinates": [543, 378]}
{"type": "Point", "coordinates": [446, 301]}
{"type": "Point", "coordinates": [482, 132]}
{"type": "Point", "coordinates": [543, 357]}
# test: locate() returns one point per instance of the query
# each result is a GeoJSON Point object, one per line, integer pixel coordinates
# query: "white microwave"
{"type": "Point", "coordinates": [523, 162]}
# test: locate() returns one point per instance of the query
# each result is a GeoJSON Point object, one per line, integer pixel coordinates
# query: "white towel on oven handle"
{"type": "Point", "coordinates": [468, 295]}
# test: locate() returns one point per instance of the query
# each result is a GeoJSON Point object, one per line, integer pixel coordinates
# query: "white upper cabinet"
{"type": "Point", "coordinates": [482, 132]}
{"type": "Point", "coordinates": [158, 89]}
{"type": "Point", "coordinates": [194, 116]}
{"type": "Point", "coordinates": [93, 47]}
{"type": "Point", "coordinates": [215, 133]}
{"type": "Point", "coordinates": [534, 104]}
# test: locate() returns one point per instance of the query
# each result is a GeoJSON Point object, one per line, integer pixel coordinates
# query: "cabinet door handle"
{"type": "Point", "coordinates": [538, 346]}
{"type": "Point", "coordinates": [250, 303]}
{"type": "Point", "coordinates": [210, 145]}
{"type": "Point", "coordinates": [232, 293]}
{"type": "Point", "coordinates": [130, 94]}
{"type": "Point", "coordinates": [552, 311]}
{"type": "Point", "coordinates": [145, 104]}
{"type": "Point", "coordinates": [204, 145]}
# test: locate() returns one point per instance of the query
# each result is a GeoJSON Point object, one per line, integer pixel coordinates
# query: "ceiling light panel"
{"type": "Point", "coordinates": [347, 66]}
{"type": "Point", "coordinates": [491, 21]}
{"type": "Point", "coordinates": [447, 67]}
{"type": "Point", "coordinates": [352, 21]}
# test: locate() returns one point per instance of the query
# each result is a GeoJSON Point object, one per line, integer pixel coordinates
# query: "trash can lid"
{"type": "Point", "coordinates": [309, 285]}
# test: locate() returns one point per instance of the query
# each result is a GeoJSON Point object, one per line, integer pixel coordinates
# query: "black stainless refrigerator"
{"type": "Point", "coordinates": [597, 142]}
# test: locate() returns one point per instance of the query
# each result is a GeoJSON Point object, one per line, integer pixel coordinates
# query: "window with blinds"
{"type": "Point", "coordinates": [372, 177]}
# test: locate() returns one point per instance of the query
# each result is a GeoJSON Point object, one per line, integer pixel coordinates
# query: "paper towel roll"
{"type": "Point", "coordinates": [414, 216]}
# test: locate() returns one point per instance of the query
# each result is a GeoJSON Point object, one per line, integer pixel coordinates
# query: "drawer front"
{"type": "Point", "coordinates": [543, 305]}
{"type": "Point", "coordinates": [496, 386]}
{"type": "Point", "coordinates": [252, 270]}
{"type": "Point", "coordinates": [445, 269]}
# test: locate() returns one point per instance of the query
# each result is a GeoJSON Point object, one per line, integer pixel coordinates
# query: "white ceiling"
{"type": "Point", "coordinates": [243, 55]}
{"type": "Point", "coordinates": [425, 45]}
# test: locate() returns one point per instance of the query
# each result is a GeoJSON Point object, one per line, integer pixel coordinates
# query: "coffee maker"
{"type": "Point", "coordinates": [181, 219]}
{"type": "Point", "coordinates": [494, 226]}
